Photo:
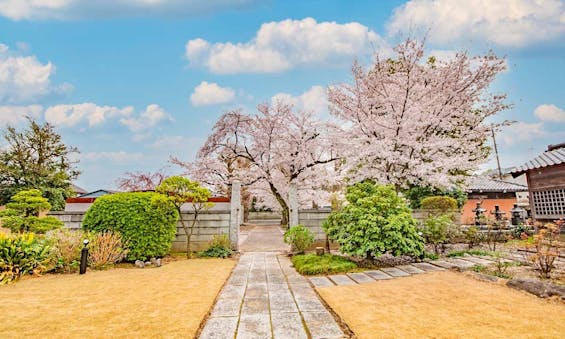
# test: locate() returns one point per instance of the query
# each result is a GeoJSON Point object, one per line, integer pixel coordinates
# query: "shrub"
{"type": "Point", "coordinates": [105, 249]}
{"type": "Point", "coordinates": [22, 254]}
{"type": "Point", "coordinates": [470, 252]}
{"type": "Point", "coordinates": [435, 230]}
{"type": "Point", "coordinates": [219, 247]}
{"type": "Point", "coordinates": [416, 194]}
{"type": "Point", "coordinates": [376, 221]}
{"type": "Point", "coordinates": [546, 248]}
{"type": "Point", "coordinates": [431, 256]}
{"type": "Point", "coordinates": [146, 221]}
{"type": "Point", "coordinates": [311, 264]}
{"type": "Point", "coordinates": [22, 213]}
{"type": "Point", "coordinates": [473, 236]}
{"type": "Point", "coordinates": [441, 204]}
{"type": "Point", "coordinates": [299, 237]}
{"type": "Point", "coordinates": [521, 231]}
{"type": "Point", "coordinates": [66, 246]}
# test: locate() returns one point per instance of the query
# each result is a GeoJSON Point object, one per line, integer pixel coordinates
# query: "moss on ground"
{"type": "Point", "coordinates": [311, 264]}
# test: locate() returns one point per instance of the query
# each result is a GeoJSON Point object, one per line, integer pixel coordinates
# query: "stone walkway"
{"type": "Point", "coordinates": [266, 298]}
{"type": "Point", "coordinates": [263, 238]}
{"type": "Point", "coordinates": [461, 263]}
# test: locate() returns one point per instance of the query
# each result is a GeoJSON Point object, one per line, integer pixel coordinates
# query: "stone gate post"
{"type": "Point", "coordinates": [235, 211]}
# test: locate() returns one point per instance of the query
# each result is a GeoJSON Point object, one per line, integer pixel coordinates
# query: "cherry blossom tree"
{"type": "Point", "coordinates": [140, 181]}
{"type": "Point", "coordinates": [416, 120]}
{"type": "Point", "coordinates": [279, 146]}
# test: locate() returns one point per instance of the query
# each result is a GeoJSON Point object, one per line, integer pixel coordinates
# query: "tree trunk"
{"type": "Point", "coordinates": [284, 207]}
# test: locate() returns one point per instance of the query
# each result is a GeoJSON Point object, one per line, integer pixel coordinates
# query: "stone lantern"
{"type": "Point", "coordinates": [479, 212]}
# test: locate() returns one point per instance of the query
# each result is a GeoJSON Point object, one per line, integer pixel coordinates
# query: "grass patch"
{"type": "Point", "coordinates": [311, 264]}
{"type": "Point", "coordinates": [470, 252]}
{"type": "Point", "coordinates": [431, 256]}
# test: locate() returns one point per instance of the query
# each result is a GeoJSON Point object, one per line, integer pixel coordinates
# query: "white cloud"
{"type": "Point", "coordinates": [550, 113]}
{"type": "Point", "coordinates": [514, 23]}
{"type": "Point", "coordinates": [73, 9]}
{"type": "Point", "coordinates": [315, 99]}
{"type": "Point", "coordinates": [279, 46]}
{"type": "Point", "coordinates": [71, 115]}
{"type": "Point", "coordinates": [24, 79]}
{"type": "Point", "coordinates": [115, 157]}
{"type": "Point", "coordinates": [211, 94]}
{"type": "Point", "coordinates": [12, 115]}
{"type": "Point", "coordinates": [521, 132]}
{"type": "Point", "coordinates": [147, 119]}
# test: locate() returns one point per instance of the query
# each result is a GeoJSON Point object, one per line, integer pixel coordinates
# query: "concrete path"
{"type": "Point", "coordinates": [264, 238]}
{"type": "Point", "coordinates": [266, 298]}
{"type": "Point", "coordinates": [461, 263]}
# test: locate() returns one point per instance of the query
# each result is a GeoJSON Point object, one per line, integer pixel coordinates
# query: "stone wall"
{"type": "Point", "coordinates": [209, 223]}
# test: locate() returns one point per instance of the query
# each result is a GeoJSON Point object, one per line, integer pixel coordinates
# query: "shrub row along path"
{"type": "Point", "coordinates": [461, 263]}
{"type": "Point", "coordinates": [266, 298]}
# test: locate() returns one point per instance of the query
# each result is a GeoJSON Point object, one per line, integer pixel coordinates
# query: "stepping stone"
{"type": "Point", "coordinates": [443, 264]}
{"type": "Point", "coordinates": [219, 327]}
{"type": "Point", "coordinates": [378, 275]}
{"type": "Point", "coordinates": [428, 267]}
{"type": "Point", "coordinates": [479, 261]}
{"type": "Point", "coordinates": [321, 281]}
{"type": "Point", "coordinates": [395, 272]}
{"type": "Point", "coordinates": [254, 326]}
{"type": "Point", "coordinates": [288, 326]}
{"type": "Point", "coordinates": [410, 269]}
{"type": "Point", "coordinates": [322, 325]}
{"type": "Point", "coordinates": [361, 278]}
{"type": "Point", "coordinates": [462, 264]}
{"type": "Point", "coordinates": [341, 279]}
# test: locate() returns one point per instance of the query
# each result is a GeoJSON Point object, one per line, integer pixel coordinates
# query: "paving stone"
{"type": "Point", "coordinates": [321, 281]}
{"type": "Point", "coordinates": [428, 267]}
{"type": "Point", "coordinates": [255, 306]}
{"type": "Point", "coordinates": [233, 291]}
{"type": "Point", "coordinates": [378, 275]}
{"type": "Point", "coordinates": [288, 326]}
{"type": "Point", "coordinates": [226, 307]}
{"type": "Point", "coordinates": [308, 303]}
{"type": "Point", "coordinates": [256, 290]}
{"type": "Point", "coordinates": [341, 279]}
{"type": "Point", "coordinates": [410, 269]}
{"type": "Point", "coordinates": [275, 279]}
{"type": "Point", "coordinates": [282, 301]}
{"type": "Point", "coordinates": [219, 328]}
{"type": "Point", "coordinates": [443, 264]}
{"type": "Point", "coordinates": [294, 279]}
{"type": "Point", "coordinates": [395, 272]}
{"type": "Point", "coordinates": [462, 264]}
{"type": "Point", "coordinates": [479, 261]}
{"type": "Point", "coordinates": [256, 326]}
{"type": "Point", "coordinates": [238, 279]}
{"type": "Point", "coordinates": [361, 278]}
{"type": "Point", "coordinates": [322, 325]}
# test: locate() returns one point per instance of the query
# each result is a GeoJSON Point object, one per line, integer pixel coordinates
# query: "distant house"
{"type": "Point", "coordinates": [82, 202]}
{"type": "Point", "coordinates": [546, 183]}
{"type": "Point", "coordinates": [490, 193]}
{"type": "Point", "coordinates": [78, 190]}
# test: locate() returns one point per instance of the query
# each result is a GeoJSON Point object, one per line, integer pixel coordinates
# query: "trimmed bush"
{"type": "Point", "coordinates": [311, 264]}
{"type": "Point", "coordinates": [23, 210]}
{"type": "Point", "coordinates": [299, 237]}
{"type": "Point", "coordinates": [376, 221]}
{"type": "Point", "coordinates": [22, 254]}
{"type": "Point", "coordinates": [439, 203]}
{"type": "Point", "coordinates": [147, 222]}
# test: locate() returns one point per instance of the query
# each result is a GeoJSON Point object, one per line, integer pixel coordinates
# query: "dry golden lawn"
{"type": "Point", "coordinates": [444, 305]}
{"type": "Point", "coordinates": [169, 301]}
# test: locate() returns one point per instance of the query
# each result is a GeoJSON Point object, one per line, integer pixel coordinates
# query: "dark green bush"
{"type": "Point", "coordinates": [441, 204]}
{"type": "Point", "coordinates": [147, 222]}
{"type": "Point", "coordinates": [376, 221]}
{"type": "Point", "coordinates": [311, 264]}
{"type": "Point", "coordinates": [22, 213]}
{"type": "Point", "coordinates": [22, 254]}
{"type": "Point", "coordinates": [219, 248]}
{"type": "Point", "coordinates": [299, 237]}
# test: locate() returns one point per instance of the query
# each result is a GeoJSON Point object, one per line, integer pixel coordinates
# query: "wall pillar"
{"type": "Point", "coordinates": [235, 214]}
{"type": "Point", "coordinates": [293, 205]}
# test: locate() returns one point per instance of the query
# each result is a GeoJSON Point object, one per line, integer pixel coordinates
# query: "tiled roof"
{"type": "Point", "coordinates": [486, 184]}
{"type": "Point", "coordinates": [547, 158]}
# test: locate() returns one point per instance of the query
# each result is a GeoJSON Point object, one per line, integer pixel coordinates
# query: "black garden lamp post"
{"type": "Point", "coordinates": [83, 257]}
{"type": "Point", "coordinates": [479, 212]}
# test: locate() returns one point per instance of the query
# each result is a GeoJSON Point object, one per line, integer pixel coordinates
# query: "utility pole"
{"type": "Point", "coordinates": [496, 152]}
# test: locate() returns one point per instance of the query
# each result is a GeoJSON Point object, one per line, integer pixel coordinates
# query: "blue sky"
{"type": "Point", "coordinates": [132, 82]}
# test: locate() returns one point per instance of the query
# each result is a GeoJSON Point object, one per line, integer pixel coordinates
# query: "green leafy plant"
{"type": "Point", "coordinates": [470, 252]}
{"type": "Point", "coordinates": [146, 221]}
{"type": "Point", "coordinates": [311, 264]}
{"type": "Point", "coordinates": [22, 254]}
{"type": "Point", "coordinates": [22, 213]}
{"type": "Point", "coordinates": [376, 221]}
{"type": "Point", "coordinates": [439, 203]}
{"type": "Point", "coordinates": [416, 194]}
{"type": "Point", "coordinates": [180, 190]}
{"type": "Point", "coordinates": [521, 231]}
{"type": "Point", "coordinates": [299, 237]}
{"type": "Point", "coordinates": [473, 236]}
{"type": "Point", "coordinates": [219, 247]}
{"type": "Point", "coordinates": [435, 230]}
{"type": "Point", "coordinates": [431, 256]}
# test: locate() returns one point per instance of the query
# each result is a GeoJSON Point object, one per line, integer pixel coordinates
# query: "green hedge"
{"type": "Point", "coordinates": [441, 203]}
{"type": "Point", "coordinates": [147, 221]}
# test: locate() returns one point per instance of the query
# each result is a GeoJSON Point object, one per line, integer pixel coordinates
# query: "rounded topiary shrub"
{"type": "Point", "coordinates": [440, 203]}
{"type": "Point", "coordinates": [147, 222]}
